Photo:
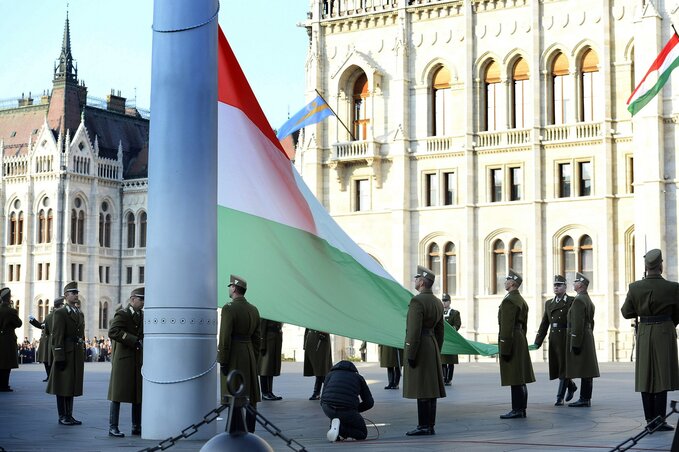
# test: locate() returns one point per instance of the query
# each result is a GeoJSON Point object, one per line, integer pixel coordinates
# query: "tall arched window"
{"type": "Point", "coordinates": [586, 250]}
{"type": "Point", "coordinates": [499, 266]}
{"type": "Point", "coordinates": [142, 230]}
{"type": "Point", "coordinates": [450, 269]}
{"type": "Point", "coordinates": [561, 92]}
{"type": "Point", "coordinates": [78, 222]}
{"type": "Point", "coordinates": [441, 94]}
{"type": "Point", "coordinates": [20, 229]}
{"type": "Point", "coordinates": [101, 229]}
{"type": "Point", "coordinates": [50, 221]}
{"type": "Point", "coordinates": [491, 87]}
{"type": "Point", "coordinates": [591, 94]}
{"type": "Point", "coordinates": [42, 226]}
{"type": "Point", "coordinates": [434, 264]}
{"type": "Point", "coordinates": [568, 266]}
{"type": "Point", "coordinates": [13, 223]}
{"type": "Point", "coordinates": [107, 230]}
{"type": "Point", "coordinates": [520, 95]}
{"type": "Point", "coordinates": [103, 315]}
{"type": "Point", "coordinates": [43, 307]}
{"type": "Point", "coordinates": [360, 119]}
{"type": "Point", "coordinates": [516, 256]}
{"type": "Point", "coordinates": [131, 232]}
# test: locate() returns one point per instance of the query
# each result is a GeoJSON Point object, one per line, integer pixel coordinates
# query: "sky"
{"type": "Point", "coordinates": [111, 43]}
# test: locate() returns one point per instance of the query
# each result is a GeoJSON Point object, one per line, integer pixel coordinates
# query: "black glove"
{"type": "Point", "coordinates": [224, 369]}
{"type": "Point", "coordinates": [576, 350]}
{"type": "Point", "coordinates": [61, 365]}
{"type": "Point", "coordinates": [411, 362]}
{"type": "Point", "coordinates": [506, 358]}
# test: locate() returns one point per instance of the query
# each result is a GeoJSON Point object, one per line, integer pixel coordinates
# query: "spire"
{"type": "Point", "coordinates": [65, 69]}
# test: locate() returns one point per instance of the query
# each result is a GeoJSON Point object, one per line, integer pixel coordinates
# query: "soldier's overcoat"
{"type": "Point", "coordinates": [453, 319]}
{"type": "Point", "coordinates": [270, 348]}
{"type": "Point", "coordinates": [68, 345]}
{"type": "Point", "coordinates": [49, 327]}
{"type": "Point", "coordinates": [317, 356]}
{"type": "Point", "coordinates": [239, 344]}
{"type": "Point", "coordinates": [424, 339]}
{"type": "Point", "coordinates": [9, 321]}
{"type": "Point", "coordinates": [580, 326]}
{"type": "Point", "coordinates": [555, 320]}
{"type": "Point", "coordinates": [390, 356]}
{"type": "Point", "coordinates": [41, 355]}
{"type": "Point", "coordinates": [125, 330]}
{"type": "Point", "coordinates": [656, 367]}
{"type": "Point", "coordinates": [516, 367]}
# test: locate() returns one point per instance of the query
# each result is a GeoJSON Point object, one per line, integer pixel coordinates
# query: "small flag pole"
{"type": "Point", "coordinates": [353, 138]}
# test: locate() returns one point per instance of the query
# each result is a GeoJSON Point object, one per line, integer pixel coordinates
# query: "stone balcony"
{"type": "Point", "coordinates": [356, 152]}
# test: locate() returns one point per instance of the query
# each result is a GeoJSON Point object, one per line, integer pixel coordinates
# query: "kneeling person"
{"type": "Point", "coordinates": [345, 395]}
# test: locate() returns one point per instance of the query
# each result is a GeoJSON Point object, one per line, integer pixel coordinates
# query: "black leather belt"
{"type": "Point", "coordinates": [77, 340]}
{"type": "Point", "coordinates": [559, 325]}
{"type": "Point", "coordinates": [655, 318]}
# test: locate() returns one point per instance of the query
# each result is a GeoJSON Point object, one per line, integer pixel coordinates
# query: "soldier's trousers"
{"type": "Point", "coordinates": [4, 379]}
{"type": "Point", "coordinates": [655, 404]}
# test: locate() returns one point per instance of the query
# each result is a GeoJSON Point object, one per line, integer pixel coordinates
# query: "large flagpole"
{"type": "Point", "coordinates": [180, 320]}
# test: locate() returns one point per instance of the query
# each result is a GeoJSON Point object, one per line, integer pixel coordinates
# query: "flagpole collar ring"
{"type": "Point", "coordinates": [190, 27]}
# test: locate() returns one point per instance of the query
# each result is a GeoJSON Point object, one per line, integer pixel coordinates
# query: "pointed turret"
{"type": "Point", "coordinates": [65, 69]}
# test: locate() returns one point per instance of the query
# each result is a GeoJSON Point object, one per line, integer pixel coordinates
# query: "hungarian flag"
{"type": "Point", "coordinates": [301, 268]}
{"type": "Point", "coordinates": [656, 77]}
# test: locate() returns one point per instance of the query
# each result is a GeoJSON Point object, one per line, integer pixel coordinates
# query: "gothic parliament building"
{"type": "Point", "coordinates": [471, 137]}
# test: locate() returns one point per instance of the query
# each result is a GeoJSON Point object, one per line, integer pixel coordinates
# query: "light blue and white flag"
{"type": "Point", "coordinates": [315, 111]}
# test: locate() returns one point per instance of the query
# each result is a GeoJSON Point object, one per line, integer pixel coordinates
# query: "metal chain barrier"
{"type": "Point", "coordinates": [213, 415]}
{"type": "Point", "coordinates": [650, 428]}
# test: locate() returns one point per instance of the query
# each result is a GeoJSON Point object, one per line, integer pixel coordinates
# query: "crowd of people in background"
{"type": "Point", "coordinates": [97, 350]}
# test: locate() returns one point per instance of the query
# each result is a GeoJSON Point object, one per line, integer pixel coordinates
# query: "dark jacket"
{"type": "Point", "coordinates": [9, 321]}
{"type": "Point", "coordinates": [555, 320]}
{"type": "Point", "coordinates": [516, 367]}
{"type": "Point", "coordinates": [126, 331]}
{"type": "Point", "coordinates": [343, 386]}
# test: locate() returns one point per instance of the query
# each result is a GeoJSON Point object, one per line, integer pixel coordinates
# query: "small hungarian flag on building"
{"type": "Point", "coordinates": [656, 77]}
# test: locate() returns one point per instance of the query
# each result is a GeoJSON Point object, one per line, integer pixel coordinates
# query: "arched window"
{"type": "Point", "coordinates": [450, 269]}
{"type": "Point", "coordinates": [20, 229]}
{"type": "Point", "coordinates": [130, 230]}
{"type": "Point", "coordinates": [48, 232]}
{"type": "Point", "coordinates": [591, 94]}
{"type": "Point", "coordinates": [516, 256]}
{"type": "Point", "coordinates": [499, 266]}
{"type": "Point", "coordinates": [107, 230]}
{"type": "Point", "coordinates": [13, 228]}
{"type": "Point", "coordinates": [520, 95]}
{"type": "Point", "coordinates": [43, 307]}
{"type": "Point", "coordinates": [42, 226]}
{"type": "Point", "coordinates": [441, 94]}
{"type": "Point", "coordinates": [78, 222]}
{"type": "Point", "coordinates": [101, 229]}
{"type": "Point", "coordinates": [491, 87]}
{"type": "Point", "coordinates": [561, 93]}
{"type": "Point", "coordinates": [142, 230]}
{"type": "Point", "coordinates": [586, 250]}
{"type": "Point", "coordinates": [434, 264]}
{"type": "Point", "coordinates": [359, 106]}
{"type": "Point", "coordinates": [103, 315]}
{"type": "Point", "coordinates": [568, 266]}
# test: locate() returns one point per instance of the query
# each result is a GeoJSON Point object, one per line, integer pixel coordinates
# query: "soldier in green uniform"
{"type": "Point", "coordinates": [270, 356]}
{"type": "Point", "coordinates": [9, 321]}
{"type": "Point", "coordinates": [516, 368]}
{"type": "Point", "coordinates": [391, 358]}
{"type": "Point", "coordinates": [239, 345]}
{"type": "Point", "coordinates": [554, 320]}
{"type": "Point", "coordinates": [45, 347]}
{"type": "Point", "coordinates": [422, 377]}
{"type": "Point", "coordinates": [655, 301]}
{"type": "Point", "coordinates": [581, 358]}
{"type": "Point", "coordinates": [452, 317]}
{"type": "Point", "coordinates": [317, 358]}
{"type": "Point", "coordinates": [68, 345]}
{"type": "Point", "coordinates": [127, 333]}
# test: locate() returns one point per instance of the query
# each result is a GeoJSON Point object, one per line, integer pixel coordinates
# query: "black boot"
{"type": "Point", "coordinates": [68, 418]}
{"type": "Point", "coordinates": [524, 404]}
{"type": "Point", "coordinates": [648, 401]}
{"type": "Point", "coordinates": [47, 371]}
{"type": "Point", "coordinates": [274, 396]}
{"type": "Point", "coordinates": [572, 387]}
{"type": "Point", "coordinates": [660, 410]}
{"type": "Point", "coordinates": [451, 371]}
{"type": "Point", "coordinates": [422, 419]}
{"type": "Point", "coordinates": [136, 419]}
{"type": "Point", "coordinates": [390, 377]}
{"type": "Point", "coordinates": [266, 391]}
{"type": "Point", "coordinates": [585, 394]}
{"type": "Point", "coordinates": [432, 415]}
{"type": "Point", "coordinates": [61, 409]}
{"type": "Point", "coordinates": [397, 377]}
{"type": "Point", "coordinates": [113, 417]}
{"type": "Point", "coordinates": [517, 404]}
{"type": "Point", "coordinates": [318, 384]}
{"type": "Point", "coordinates": [561, 391]}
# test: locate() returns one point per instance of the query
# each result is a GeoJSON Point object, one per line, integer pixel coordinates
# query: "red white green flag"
{"type": "Point", "coordinates": [301, 267]}
{"type": "Point", "coordinates": [656, 77]}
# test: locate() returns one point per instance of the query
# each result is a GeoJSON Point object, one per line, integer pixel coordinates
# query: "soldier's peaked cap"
{"type": "Point", "coordinates": [445, 297]}
{"type": "Point", "coordinates": [58, 301]}
{"type": "Point", "coordinates": [5, 294]}
{"type": "Point", "coordinates": [514, 277]}
{"type": "Point", "coordinates": [653, 258]}
{"type": "Point", "coordinates": [558, 279]}
{"type": "Point", "coordinates": [579, 277]}
{"type": "Point", "coordinates": [138, 292]}
{"type": "Point", "coordinates": [71, 287]}
{"type": "Point", "coordinates": [424, 272]}
{"type": "Point", "coordinates": [238, 281]}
